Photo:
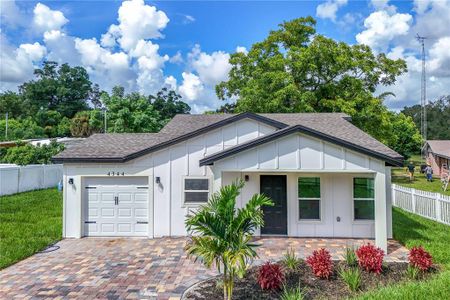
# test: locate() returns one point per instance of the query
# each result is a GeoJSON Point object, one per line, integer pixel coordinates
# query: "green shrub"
{"type": "Point", "coordinates": [413, 272]}
{"type": "Point", "coordinates": [350, 257]}
{"type": "Point", "coordinates": [29, 154]}
{"type": "Point", "coordinates": [290, 261]}
{"type": "Point", "coordinates": [352, 277]}
{"type": "Point", "coordinates": [292, 294]}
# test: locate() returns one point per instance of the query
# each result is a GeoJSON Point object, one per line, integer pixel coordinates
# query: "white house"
{"type": "Point", "coordinates": [327, 177]}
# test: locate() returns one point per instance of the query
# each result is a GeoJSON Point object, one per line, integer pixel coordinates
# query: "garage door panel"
{"type": "Point", "coordinates": [124, 213]}
{"type": "Point", "coordinates": [125, 198]}
{"type": "Point", "coordinates": [140, 197]}
{"type": "Point", "coordinates": [93, 213]}
{"type": "Point", "coordinates": [116, 207]}
{"type": "Point", "coordinates": [108, 212]}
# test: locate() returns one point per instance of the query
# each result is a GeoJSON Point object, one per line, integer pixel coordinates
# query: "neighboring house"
{"type": "Point", "coordinates": [327, 177]}
{"type": "Point", "coordinates": [437, 153]}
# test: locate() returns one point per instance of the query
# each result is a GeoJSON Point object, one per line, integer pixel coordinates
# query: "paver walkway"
{"type": "Point", "coordinates": [129, 268]}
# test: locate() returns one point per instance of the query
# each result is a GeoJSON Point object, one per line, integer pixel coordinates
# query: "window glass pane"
{"type": "Point", "coordinates": [364, 210]}
{"type": "Point", "coordinates": [195, 197]}
{"type": "Point", "coordinates": [363, 188]}
{"type": "Point", "coordinates": [309, 209]}
{"type": "Point", "coordinates": [196, 184]}
{"type": "Point", "coordinates": [309, 187]}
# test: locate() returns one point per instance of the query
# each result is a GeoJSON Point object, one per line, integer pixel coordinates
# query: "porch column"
{"type": "Point", "coordinates": [389, 202]}
{"type": "Point", "coordinates": [380, 211]}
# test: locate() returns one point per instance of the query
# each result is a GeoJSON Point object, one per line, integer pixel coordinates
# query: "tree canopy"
{"type": "Point", "coordinates": [296, 70]}
{"type": "Point", "coordinates": [62, 101]}
{"type": "Point", "coordinates": [438, 118]}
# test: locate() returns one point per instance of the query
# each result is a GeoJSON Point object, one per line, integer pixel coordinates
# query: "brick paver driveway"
{"type": "Point", "coordinates": [135, 268]}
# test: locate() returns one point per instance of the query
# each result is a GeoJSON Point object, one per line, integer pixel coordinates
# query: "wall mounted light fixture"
{"type": "Point", "coordinates": [70, 180]}
{"type": "Point", "coordinates": [158, 179]}
{"type": "Point", "coordinates": [247, 178]}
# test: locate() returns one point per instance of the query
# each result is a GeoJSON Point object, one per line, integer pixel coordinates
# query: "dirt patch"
{"type": "Point", "coordinates": [315, 288]}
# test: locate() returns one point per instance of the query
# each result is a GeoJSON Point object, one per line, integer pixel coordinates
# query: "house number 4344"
{"type": "Point", "coordinates": [112, 173]}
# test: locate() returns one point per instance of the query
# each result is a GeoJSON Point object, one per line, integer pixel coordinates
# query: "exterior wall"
{"type": "Point", "coordinates": [336, 201]}
{"type": "Point", "coordinates": [171, 164]}
{"type": "Point", "coordinates": [299, 152]}
{"type": "Point", "coordinates": [436, 162]}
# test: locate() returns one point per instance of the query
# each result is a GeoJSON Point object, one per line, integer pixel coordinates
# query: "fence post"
{"type": "Point", "coordinates": [438, 206]}
{"type": "Point", "coordinates": [393, 194]}
{"type": "Point", "coordinates": [413, 200]}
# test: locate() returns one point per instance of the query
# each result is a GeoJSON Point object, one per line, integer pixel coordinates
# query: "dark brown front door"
{"type": "Point", "coordinates": [275, 217]}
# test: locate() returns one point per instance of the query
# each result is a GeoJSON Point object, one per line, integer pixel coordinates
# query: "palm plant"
{"type": "Point", "coordinates": [222, 233]}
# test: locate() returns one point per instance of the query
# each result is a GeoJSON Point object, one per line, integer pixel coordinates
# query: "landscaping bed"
{"type": "Point", "coordinates": [313, 287]}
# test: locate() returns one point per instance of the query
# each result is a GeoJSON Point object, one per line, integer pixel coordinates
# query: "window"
{"type": "Point", "coordinates": [309, 198]}
{"type": "Point", "coordinates": [363, 198]}
{"type": "Point", "coordinates": [196, 190]}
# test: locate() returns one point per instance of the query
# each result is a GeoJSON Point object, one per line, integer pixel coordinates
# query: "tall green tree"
{"type": "Point", "coordinates": [13, 104]}
{"type": "Point", "coordinates": [64, 89]}
{"type": "Point", "coordinates": [85, 123]}
{"type": "Point", "coordinates": [130, 113]}
{"type": "Point", "coordinates": [20, 129]}
{"type": "Point", "coordinates": [222, 234]}
{"type": "Point", "coordinates": [438, 118]}
{"type": "Point", "coordinates": [296, 70]}
{"type": "Point", "coordinates": [168, 103]}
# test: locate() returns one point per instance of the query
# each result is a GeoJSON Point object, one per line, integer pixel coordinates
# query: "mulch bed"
{"type": "Point", "coordinates": [315, 288]}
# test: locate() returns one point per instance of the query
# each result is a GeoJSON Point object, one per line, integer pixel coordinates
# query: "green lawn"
{"type": "Point", "coordinates": [400, 176]}
{"type": "Point", "coordinates": [29, 222]}
{"type": "Point", "coordinates": [412, 230]}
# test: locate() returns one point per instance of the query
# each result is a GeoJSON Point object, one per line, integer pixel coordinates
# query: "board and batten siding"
{"type": "Point", "coordinates": [299, 152]}
{"type": "Point", "coordinates": [171, 165]}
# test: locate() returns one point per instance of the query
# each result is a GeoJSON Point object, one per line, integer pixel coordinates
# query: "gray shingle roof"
{"type": "Point", "coordinates": [440, 147]}
{"type": "Point", "coordinates": [124, 146]}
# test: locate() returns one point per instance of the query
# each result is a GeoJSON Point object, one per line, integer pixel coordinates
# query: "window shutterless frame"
{"type": "Point", "coordinates": [363, 200]}
{"type": "Point", "coordinates": [311, 199]}
{"type": "Point", "coordinates": [196, 186]}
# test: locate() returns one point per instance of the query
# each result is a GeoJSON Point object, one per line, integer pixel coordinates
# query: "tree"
{"type": "Point", "coordinates": [49, 120]}
{"type": "Point", "coordinates": [407, 139]}
{"type": "Point", "coordinates": [29, 154]}
{"type": "Point", "coordinates": [296, 70]}
{"type": "Point", "coordinates": [85, 123]}
{"type": "Point", "coordinates": [222, 233]}
{"type": "Point", "coordinates": [13, 104]}
{"type": "Point", "coordinates": [20, 129]}
{"type": "Point", "coordinates": [438, 118]}
{"type": "Point", "coordinates": [130, 113]}
{"type": "Point", "coordinates": [62, 88]}
{"type": "Point", "coordinates": [168, 104]}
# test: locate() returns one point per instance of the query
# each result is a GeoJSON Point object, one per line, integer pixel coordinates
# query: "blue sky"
{"type": "Point", "coordinates": [185, 44]}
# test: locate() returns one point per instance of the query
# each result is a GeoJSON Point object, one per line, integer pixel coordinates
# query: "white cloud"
{"type": "Point", "coordinates": [188, 19]}
{"type": "Point", "coordinates": [171, 82]}
{"type": "Point", "coordinates": [17, 64]}
{"type": "Point", "coordinates": [329, 9]}
{"type": "Point", "coordinates": [137, 21]}
{"type": "Point", "coordinates": [46, 19]}
{"type": "Point", "coordinates": [177, 58]}
{"type": "Point", "coordinates": [211, 68]}
{"type": "Point", "coordinates": [11, 15]}
{"type": "Point", "coordinates": [382, 27]}
{"type": "Point", "coordinates": [241, 49]}
{"type": "Point", "coordinates": [191, 88]}
{"type": "Point", "coordinates": [35, 51]}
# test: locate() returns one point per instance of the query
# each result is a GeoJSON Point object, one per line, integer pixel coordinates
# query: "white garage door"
{"type": "Point", "coordinates": [116, 206]}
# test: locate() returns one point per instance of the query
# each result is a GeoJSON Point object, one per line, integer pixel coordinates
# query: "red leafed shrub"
{"type": "Point", "coordinates": [320, 263]}
{"type": "Point", "coordinates": [420, 258]}
{"type": "Point", "coordinates": [370, 258]}
{"type": "Point", "coordinates": [270, 276]}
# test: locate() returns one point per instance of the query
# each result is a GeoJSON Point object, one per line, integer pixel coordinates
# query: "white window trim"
{"type": "Point", "coordinates": [361, 221]}
{"type": "Point", "coordinates": [320, 202]}
{"type": "Point", "coordinates": [183, 191]}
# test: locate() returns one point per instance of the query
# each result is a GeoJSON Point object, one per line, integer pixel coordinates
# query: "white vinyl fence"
{"type": "Point", "coordinates": [434, 206]}
{"type": "Point", "coordinates": [16, 179]}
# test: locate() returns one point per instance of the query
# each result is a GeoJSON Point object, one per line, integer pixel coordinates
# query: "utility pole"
{"type": "Point", "coordinates": [423, 90]}
{"type": "Point", "coordinates": [6, 129]}
{"type": "Point", "coordinates": [104, 115]}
